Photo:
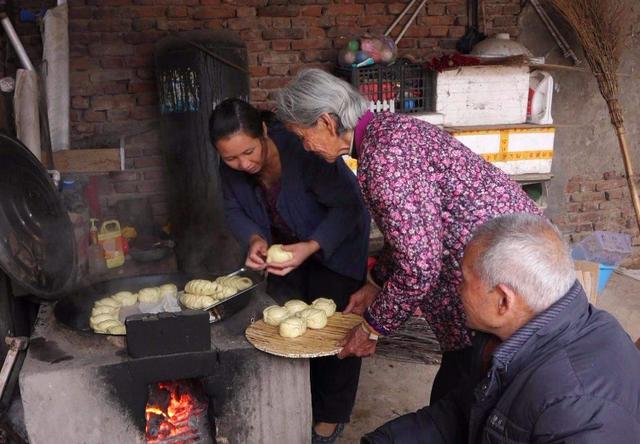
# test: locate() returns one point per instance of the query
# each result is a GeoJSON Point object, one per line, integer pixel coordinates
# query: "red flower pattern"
{"type": "Point", "coordinates": [427, 192]}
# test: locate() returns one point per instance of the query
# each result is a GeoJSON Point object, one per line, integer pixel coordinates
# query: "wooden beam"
{"type": "Point", "coordinates": [87, 160]}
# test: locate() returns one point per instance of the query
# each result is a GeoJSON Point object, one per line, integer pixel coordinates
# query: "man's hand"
{"type": "Point", "coordinates": [362, 299]}
{"type": "Point", "coordinates": [256, 257]}
{"type": "Point", "coordinates": [301, 251]}
{"type": "Point", "coordinates": [356, 343]}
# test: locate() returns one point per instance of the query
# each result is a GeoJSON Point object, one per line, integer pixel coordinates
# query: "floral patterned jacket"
{"type": "Point", "coordinates": [427, 192]}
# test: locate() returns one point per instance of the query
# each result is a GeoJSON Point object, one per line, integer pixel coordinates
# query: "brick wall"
{"type": "Point", "coordinates": [599, 202]}
{"type": "Point", "coordinates": [113, 92]}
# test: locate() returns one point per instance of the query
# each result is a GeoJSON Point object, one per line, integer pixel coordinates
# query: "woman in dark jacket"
{"type": "Point", "coordinates": [275, 192]}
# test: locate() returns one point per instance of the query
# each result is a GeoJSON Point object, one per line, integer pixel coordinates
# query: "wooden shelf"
{"type": "Point", "coordinates": [88, 160]}
{"type": "Point", "coordinates": [553, 67]}
{"type": "Point", "coordinates": [496, 127]}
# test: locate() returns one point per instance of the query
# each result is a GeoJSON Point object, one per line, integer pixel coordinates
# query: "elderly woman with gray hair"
{"type": "Point", "coordinates": [426, 192]}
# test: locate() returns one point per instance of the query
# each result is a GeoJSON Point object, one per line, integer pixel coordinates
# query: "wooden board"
{"type": "Point", "coordinates": [87, 160]}
{"type": "Point", "coordinates": [312, 344]}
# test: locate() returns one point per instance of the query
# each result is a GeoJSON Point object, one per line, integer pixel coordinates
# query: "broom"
{"type": "Point", "coordinates": [601, 27]}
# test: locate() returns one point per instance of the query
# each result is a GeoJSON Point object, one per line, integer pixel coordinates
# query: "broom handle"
{"type": "Point", "coordinates": [629, 169]}
{"type": "Point", "coordinates": [395, 22]}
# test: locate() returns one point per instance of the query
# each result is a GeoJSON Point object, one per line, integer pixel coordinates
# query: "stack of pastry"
{"type": "Point", "coordinates": [296, 316]}
{"type": "Point", "coordinates": [201, 293]}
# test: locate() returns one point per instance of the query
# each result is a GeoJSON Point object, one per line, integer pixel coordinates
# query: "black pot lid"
{"type": "Point", "coordinates": [37, 246]}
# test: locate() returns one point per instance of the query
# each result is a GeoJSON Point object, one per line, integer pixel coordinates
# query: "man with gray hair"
{"type": "Point", "coordinates": [563, 372]}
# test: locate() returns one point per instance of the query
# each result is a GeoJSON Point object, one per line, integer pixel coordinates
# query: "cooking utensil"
{"type": "Point", "coordinates": [312, 344]}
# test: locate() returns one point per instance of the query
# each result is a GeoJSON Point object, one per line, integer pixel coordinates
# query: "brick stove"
{"type": "Point", "coordinates": [82, 387]}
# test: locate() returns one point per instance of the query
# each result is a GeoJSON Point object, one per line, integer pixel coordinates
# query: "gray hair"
{"type": "Point", "coordinates": [314, 92]}
{"type": "Point", "coordinates": [527, 254]}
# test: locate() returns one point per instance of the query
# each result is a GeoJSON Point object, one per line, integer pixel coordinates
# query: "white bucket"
{"type": "Point", "coordinates": [540, 95]}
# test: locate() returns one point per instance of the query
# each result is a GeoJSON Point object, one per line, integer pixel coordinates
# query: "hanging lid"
{"type": "Point", "coordinates": [37, 246]}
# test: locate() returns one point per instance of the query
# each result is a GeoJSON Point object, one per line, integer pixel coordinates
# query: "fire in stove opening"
{"type": "Point", "coordinates": [177, 412]}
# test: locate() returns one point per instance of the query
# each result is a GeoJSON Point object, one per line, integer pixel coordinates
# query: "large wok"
{"type": "Point", "coordinates": [74, 311]}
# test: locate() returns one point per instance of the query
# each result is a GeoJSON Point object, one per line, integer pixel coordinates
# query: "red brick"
{"type": "Point", "coordinates": [438, 31]}
{"type": "Point", "coordinates": [111, 62]}
{"type": "Point", "coordinates": [120, 114]}
{"type": "Point", "coordinates": [94, 116]}
{"type": "Point", "coordinates": [79, 102]}
{"type": "Point", "coordinates": [111, 102]}
{"type": "Point", "coordinates": [150, 161]}
{"type": "Point", "coordinates": [311, 44]}
{"type": "Point", "coordinates": [177, 11]}
{"type": "Point", "coordinates": [144, 112]}
{"type": "Point", "coordinates": [258, 71]}
{"type": "Point", "coordinates": [435, 9]}
{"type": "Point", "coordinates": [125, 187]}
{"type": "Point", "coordinates": [149, 98]}
{"type": "Point", "coordinates": [137, 87]}
{"type": "Point", "coordinates": [611, 184]}
{"type": "Point", "coordinates": [318, 55]}
{"type": "Point", "coordinates": [281, 45]}
{"type": "Point", "coordinates": [279, 11]}
{"type": "Point", "coordinates": [114, 87]}
{"type": "Point", "coordinates": [345, 9]}
{"type": "Point", "coordinates": [614, 194]}
{"type": "Point", "coordinates": [279, 70]}
{"type": "Point", "coordinates": [105, 75]}
{"type": "Point", "coordinates": [150, 187]}
{"type": "Point", "coordinates": [278, 57]}
{"type": "Point", "coordinates": [209, 12]}
{"type": "Point", "coordinates": [123, 176]}
{"type": "Point", "coordinates": [144, 24]}
{"type": "Point", "coordinates": [245, 11]}
{"type": "Point", "coordinates": [282, 22]}
{"type": "Point", "coordinates": [584, 197]}
{"type": "Point", "coordinates": [273, 82]}
{"type": "Point", "coordinates": [290, 33]}
{"type": "Point", "coordinates": [154, 175]}
{"type": "Point", "coordinates": [112, 49]}
{"type": "Point", "coordinates": [375, 9]}
{"type": "Point", "coordinates": [132, 152]}
{"type": "Point", "coordinates": [313, 10]}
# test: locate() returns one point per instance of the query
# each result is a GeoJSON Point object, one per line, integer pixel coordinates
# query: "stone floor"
{"type": "Point", "coordinates": [390, 388]}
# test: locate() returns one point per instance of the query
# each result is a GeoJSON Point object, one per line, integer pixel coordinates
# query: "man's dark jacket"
{"type": "Point", "coordinates": [570, 375]}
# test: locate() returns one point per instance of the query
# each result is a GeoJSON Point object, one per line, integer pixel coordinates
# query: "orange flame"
{"type": "Point", "coordinates": [175, 420]}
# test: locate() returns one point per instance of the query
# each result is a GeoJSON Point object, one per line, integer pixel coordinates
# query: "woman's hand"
{"type": "Point", "coordinates": [362, 299]}
{"type": "Point", "coordinates": [357, 343]}
{"type": "Point", "coordinates": [257, 255]}
{"type": "Point", "coordinates": [301, 251]}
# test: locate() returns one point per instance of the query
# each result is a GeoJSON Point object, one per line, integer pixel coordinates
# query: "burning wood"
{"type": "Point", "coordinates": [177, 413]}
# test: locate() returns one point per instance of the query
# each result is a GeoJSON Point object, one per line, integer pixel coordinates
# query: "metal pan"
{"type": "Point", "coordinates": [226, 307]}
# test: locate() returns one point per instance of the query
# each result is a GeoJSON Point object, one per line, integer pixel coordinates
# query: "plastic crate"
{"type": "Point", "coordinates": [409, 86]}
{"type": "Point", "coordinates": [603, 247]}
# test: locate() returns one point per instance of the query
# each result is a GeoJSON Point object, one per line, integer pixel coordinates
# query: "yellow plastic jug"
{"type": "Point", "coordinates": [110, 238]}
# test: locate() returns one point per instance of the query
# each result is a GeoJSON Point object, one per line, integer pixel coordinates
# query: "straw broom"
{"type": "Point", "coordinates": [602, 29]}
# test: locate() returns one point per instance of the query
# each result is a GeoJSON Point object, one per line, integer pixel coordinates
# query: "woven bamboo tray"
{"type": "Point", "coordinates": [312, 344]}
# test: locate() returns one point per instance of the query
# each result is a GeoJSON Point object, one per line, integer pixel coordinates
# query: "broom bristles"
{"type": "Point", "coordinates": [602, 29]}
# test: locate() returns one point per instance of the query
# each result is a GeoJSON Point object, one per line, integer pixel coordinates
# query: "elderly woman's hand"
{"type": "Point", "coordinates": [301, 251]}
{"type": "Point", "coordinates": [362, 299]}
{"type": "Point", "coordinates": [357, 343]}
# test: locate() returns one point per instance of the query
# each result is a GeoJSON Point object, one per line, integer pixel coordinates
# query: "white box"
{"type": "Point", "coordinates": [524, 150]}
{"type": "Point", "coordinates": [483, 95]}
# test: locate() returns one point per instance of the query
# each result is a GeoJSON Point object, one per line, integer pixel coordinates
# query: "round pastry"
{"type": "Point", "coordinates": [149, 295]}
{"type": "Point", "coordinates": [126, 298]}
{"type": "Point", "coordinates": [292, 327]}
{"type": "Point", "coordinates": [295, 305]}
{"type": "Point", "coordinates": [104, 326]}
{"type": "Point", "coordinates": [97, 319]}
{"type": "Point", "coordinates": [274, 314]}
{"type": "Point", "coordinates": [103, 309]}
{"type": "Point", "coordinates": [108, 302]}
{"type": "Point", "coordinates": [224, 292]}
{"type": "Point", "coordinates": [196, 302]}
{"type": "Point", "coordinates": [326, 305]}
{"type": "Point", "coordinates": [314, 317]}
{"type": "Point", "coordinates": [276, 254]}
{"type": "Point", "coordinates": [117, 330]}
{"type": "Point", "coordinates": [201, 287]}
{"type": "Point", "coordinates": [168, 290]}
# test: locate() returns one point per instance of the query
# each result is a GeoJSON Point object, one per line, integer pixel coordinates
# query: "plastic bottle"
{"type": "Point", "coordinates": [110, 238]}
{"type": "Point", "coordinates": [95, 254]}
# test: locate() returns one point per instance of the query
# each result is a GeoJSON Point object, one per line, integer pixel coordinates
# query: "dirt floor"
{"type": "Point", "coordinates": [389, 388]}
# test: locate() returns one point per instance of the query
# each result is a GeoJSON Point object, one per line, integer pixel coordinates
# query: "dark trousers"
{"type": "Point", "coordinates": [458, 365]}
{"type": "Point", "coordinates": [334, 381]}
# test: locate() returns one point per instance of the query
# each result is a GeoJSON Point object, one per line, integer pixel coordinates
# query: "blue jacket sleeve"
{"type": "Point", "coordinates": [241, 225]}
{"type": "Point", "coordinates": [335, 187]}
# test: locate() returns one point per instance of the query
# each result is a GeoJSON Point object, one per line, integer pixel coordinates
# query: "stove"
{"type": "Point", "coordinates": [82, 387]}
